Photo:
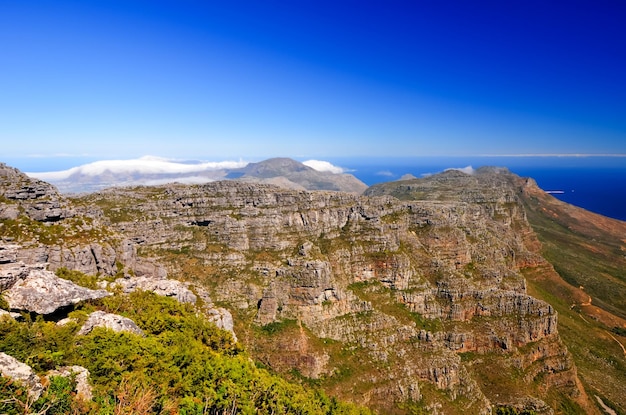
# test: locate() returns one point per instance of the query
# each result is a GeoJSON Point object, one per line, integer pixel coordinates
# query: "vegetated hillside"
{"type": "Point", "coordinates": [585, 279]}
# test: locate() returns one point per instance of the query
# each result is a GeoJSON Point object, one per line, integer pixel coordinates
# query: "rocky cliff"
{"type": "Point", "coordinates": [403, 305]}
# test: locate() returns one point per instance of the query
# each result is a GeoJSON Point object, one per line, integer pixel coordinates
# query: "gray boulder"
{"type": "Point", "coordinates": [114, 322]}
{"type": "Point", "coordinates": [12, 368]}
{"type": "Point", "coordinates": [42, 292]}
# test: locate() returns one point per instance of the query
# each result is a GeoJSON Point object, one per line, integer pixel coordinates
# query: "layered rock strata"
{"type": "Point", "coordinates": [411, 286]}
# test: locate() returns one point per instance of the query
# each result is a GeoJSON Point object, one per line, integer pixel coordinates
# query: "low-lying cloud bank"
{"type": "Point", "coordinates": [147, 165]}
{"type": "Point", "coordinates": [149, 171]}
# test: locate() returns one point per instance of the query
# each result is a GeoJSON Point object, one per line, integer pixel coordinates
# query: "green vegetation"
{"type": "Point", "coordinates": [58, 398]}
{"type": "Point", "coordinates": [183, 364]}
{"type": "Point", "coordinates": [73, 231]}
{"type": "Point", "coordinates": [79, 278]}
{"type": "Point", "coordinates": [589, 255]}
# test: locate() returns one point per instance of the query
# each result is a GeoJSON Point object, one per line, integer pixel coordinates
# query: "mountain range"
{"type": "Point", "coordinates": [454, 293]}
{"type": "Point", "coordinates": [285, 172]}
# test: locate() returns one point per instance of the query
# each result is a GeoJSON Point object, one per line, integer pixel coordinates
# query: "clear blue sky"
{"type": "Point", "coordinates": [214, 79]}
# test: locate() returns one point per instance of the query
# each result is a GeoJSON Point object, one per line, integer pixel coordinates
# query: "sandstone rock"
{"type": "Point", "coordinates": [407, 284]}
{"type": "Point", "coordinates": [81, 376]}
{"type": "Point", "coordinates": [39, 200]}
{"type": "Point", "coordinates": [222, 319]}
{"type": "Point", "coordinates": [14, 369]}
{"type": "Point", "coordinates": [164, 287]}
{"type": "Point", "coordinates": [11, 273]}
{"type": "Point", "coordinates": [8, 253]}
{"type": "Point", "coordinates": [8, 314]}
{"type": "Point", "coordinates": [42, 292]}
{"type": "Point", "coordinates": [114, 322]}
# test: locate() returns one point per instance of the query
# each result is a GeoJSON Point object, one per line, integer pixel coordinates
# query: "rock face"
{"type": "Point", "coordinates": [407, 289]}
{"type": "Point", "coordinates": [413, 293]}
{"type": "Point", "coordinates": [42, 292]}
{"type": "Point", "coordinates": [14, 369]}
{"type": "Point", "coordinates": [111, 321]}
{"type": "Point", "coordinates": [40, 200]}
{"type": "Point", "coordinates": [48, 228]}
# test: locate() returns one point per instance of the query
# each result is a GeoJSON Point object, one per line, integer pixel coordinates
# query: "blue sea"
{"type": "Point", "coordinates": [594, 183]}
{"type": "Point", "coordinates": [597, 184]}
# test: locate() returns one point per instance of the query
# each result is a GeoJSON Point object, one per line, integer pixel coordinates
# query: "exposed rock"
{"type": "Point", "coordinates": [111, 321]}
{"type": "Point", "coordinates": [11, 273]}
{"type": "Point", "coordinates": [404, 285]}
{"type": "Point", "coordinates": [454, 262]}
{"type": "Point", "coordinates": [222, 319]}
{"type": "Point", "coordinates": [164, 287]}
{"type": "Point", "coordinates": [42, 292]}
{"type": "Point", "coordinates": [80, 375]}
{"type": "Point", "coordinates": [14, 369]}
{"type": "Point", "coordinates": [8, 314]}
{"type": "Point", "coordinates": [38, 199]}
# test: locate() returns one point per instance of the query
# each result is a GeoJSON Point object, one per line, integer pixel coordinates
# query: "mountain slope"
{"type": "Point", "coordinates": [583, 277]}
{"type": "Point", "coordinates": [401, 305]}
{"type": "Point", "coordinates": [292, 174]}
{"type": "Point", "coordinates": [428, 295]}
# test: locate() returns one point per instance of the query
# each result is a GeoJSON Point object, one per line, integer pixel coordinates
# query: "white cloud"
{"type": "Point", "coordinates": [143, 165]}
{"type": "Point", "coordinates": [321, 165]}
{"type": "Point", "coordinates": [385, 173]}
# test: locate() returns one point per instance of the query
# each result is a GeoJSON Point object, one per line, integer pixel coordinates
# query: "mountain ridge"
{"type": "Point", "coordinates": [405, 305]}
{"type": "Point", "coordinates": [150, 171]}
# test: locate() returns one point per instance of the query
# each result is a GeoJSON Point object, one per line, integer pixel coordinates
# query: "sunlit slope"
{"type": "Point", "coordinates": [584, 276]}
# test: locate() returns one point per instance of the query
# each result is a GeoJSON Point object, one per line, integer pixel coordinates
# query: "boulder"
{"type": "Point", "coordinates": [12, 368]}
{"type": "Point", "coordinates": [222, 319]}
{"type": "Point", "coordinates": [111, 321]}
{"type": "Point", "coordinates": [42, 292]}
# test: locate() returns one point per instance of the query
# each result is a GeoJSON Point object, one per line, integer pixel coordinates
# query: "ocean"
{"type": "Point", "coordinates": [597, 184]}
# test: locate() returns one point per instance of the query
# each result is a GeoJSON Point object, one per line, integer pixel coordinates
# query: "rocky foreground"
{"type": "Point", "coordinates": [399, 305]}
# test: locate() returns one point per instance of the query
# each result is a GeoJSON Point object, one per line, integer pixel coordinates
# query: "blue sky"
{"type": "Point", "coordinates": [228, 79]}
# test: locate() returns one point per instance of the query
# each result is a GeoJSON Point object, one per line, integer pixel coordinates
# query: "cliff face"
{"type": "Point", "coordinates": [49, 229]}
{"type": "Point", "coordinates": [397, 304]}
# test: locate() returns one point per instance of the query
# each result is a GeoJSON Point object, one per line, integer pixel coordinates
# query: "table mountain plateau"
{"type": "Point", "coordinates": [437, 295]}
{"type": "Point", "coordinates": [280, 171]}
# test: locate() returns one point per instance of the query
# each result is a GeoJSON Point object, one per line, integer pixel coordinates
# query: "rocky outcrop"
{"type": "Point", "coordinates": [111, 321]}
{"type": "Point", "coordinates": [394, 281]}
{"type": "Point", "coordinates": [42, 292]}
{"type": "Point", "coordinates": [39, 200]}
{"type": "Point", "coordinates": [390, 292]}
{"type": "Point", "coordinates": [163, 287]}
{"type": "Point", "coordinates": [14, 369]}
{"type": "Point", "coordinates": [50, 229]}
